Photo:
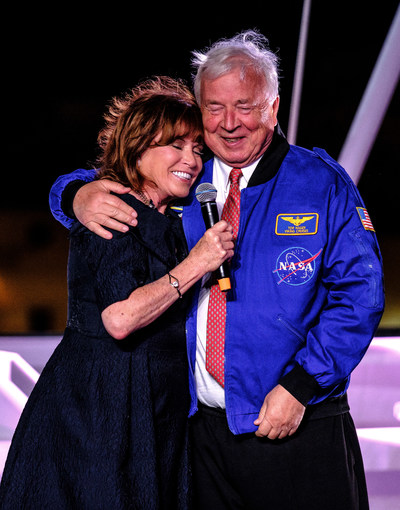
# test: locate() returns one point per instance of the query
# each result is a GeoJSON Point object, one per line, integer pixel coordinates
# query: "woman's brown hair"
{"type": "Point", "coordinates": [160, 105]}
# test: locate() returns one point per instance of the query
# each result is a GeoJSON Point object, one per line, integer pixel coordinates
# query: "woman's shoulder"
{"type": "Point", "coordinates": [78, 229]}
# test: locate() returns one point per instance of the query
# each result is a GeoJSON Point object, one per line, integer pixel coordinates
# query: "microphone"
{"type": "Point", "coordinates": [206, 194]}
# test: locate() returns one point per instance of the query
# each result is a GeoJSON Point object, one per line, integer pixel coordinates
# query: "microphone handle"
{"type": "Point", "coordinates": [210, 216]}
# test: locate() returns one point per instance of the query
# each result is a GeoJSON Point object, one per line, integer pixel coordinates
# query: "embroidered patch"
{"type": "Point", "coordinates": [295, 266]}
{"type": "Point", "coordinates": [296, 224]}
{"type": "Point", "coordinates": [365, 219]}
{"type": "Point", "coordinates": [178, 209]}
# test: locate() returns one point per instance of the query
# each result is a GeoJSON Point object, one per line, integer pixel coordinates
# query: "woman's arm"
{"type": "Point", "coordinates": [147, 303]}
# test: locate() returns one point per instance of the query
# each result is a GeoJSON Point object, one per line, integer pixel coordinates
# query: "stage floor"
{"type": "Point", "coordinates": [374, 397]}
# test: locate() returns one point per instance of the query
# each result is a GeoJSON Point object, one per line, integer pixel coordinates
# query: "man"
{"type": "Point", "coordinates": [273, 430]}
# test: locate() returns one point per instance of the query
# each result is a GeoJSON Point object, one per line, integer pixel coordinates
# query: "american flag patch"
{"type": "Point", "coordinates": [365, 219]}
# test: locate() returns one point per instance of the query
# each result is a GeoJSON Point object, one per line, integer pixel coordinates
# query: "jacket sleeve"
{"type": "Point", "coordinates": [352, 275]}
{"type": "Point", "coordinates": [56, 192]}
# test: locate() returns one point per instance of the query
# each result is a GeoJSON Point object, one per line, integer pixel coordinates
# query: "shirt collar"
{"type": "Point", "coordinates": [224, 171]}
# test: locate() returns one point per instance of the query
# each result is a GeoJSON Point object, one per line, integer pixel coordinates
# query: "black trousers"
{"type": "Point", "coordinates": [320, 467]}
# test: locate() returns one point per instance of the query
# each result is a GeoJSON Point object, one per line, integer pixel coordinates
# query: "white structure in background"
{"type": "Point", "coordinates": [17, 379]}
{"type": "Point", "coordinates": [374, 103]}
{"type": "Point", "coordinates": [298, 73]}
{"type": "Point", "coordinates": [373, 106]}
{"type": "Point", "coordinates": [22, 358]}
{"type": "Point", "coordinates": [374, 397]}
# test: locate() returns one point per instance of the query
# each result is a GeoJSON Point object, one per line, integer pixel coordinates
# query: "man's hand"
{"type": "Point", "coordinates": [95, 207]}
{"type": "Point", "coordinates": [280, 414]}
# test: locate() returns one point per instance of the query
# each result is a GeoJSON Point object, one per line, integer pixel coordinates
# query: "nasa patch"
{"type": "Point", "coordinates": [296, 224]}
{"type": "Point", "coordinates": [295, 266]}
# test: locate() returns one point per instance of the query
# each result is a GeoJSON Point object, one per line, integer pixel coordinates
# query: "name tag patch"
{"type": "Point", "coordinates": [301, 224]}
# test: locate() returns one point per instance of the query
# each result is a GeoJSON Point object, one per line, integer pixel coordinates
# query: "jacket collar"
{"type": "Point", "coordinates": [272, 159]}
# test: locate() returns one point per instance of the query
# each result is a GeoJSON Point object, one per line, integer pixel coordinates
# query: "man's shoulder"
{"type": "Point", "coordinates": [300, 158]}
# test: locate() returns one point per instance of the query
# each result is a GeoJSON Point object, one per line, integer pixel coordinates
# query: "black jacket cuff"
{"type": "Point", "coordinates": [68, 195]}
{"type": "Point", "coordinates": [300, 384]}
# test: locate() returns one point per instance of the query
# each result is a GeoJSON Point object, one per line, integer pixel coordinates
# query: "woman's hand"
{"type": "Point", "coordinates": [214, 247]}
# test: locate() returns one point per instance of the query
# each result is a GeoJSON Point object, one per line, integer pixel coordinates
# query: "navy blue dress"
{"type": "Point", "coordinates": [106, 425]}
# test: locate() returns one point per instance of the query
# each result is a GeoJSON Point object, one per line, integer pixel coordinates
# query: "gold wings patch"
{"type": "Point", "coordinates": [297, 221]}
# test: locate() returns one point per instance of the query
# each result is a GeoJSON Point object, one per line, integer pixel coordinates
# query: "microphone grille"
{"type": "Point", "coordinates": [206, 192]}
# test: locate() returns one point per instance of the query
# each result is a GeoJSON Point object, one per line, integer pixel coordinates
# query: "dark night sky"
{"type": "Point", "coordinates": [62, 68]}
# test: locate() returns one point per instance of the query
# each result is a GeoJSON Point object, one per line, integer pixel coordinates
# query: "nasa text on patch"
{"type": "Point", "coordinates": [298, 224]}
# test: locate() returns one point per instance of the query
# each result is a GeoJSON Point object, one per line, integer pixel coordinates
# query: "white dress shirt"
{"type": "Point", "coordinates": [209, 392]}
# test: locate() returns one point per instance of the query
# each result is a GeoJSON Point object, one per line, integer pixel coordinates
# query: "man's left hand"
{"type": "Point", "coordinates": [280, 414]}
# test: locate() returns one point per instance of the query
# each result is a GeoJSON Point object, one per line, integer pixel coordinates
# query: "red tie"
{"type": "Point", "coordinates": [217, 304]}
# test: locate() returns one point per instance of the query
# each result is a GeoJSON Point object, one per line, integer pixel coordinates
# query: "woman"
{"type": "Point", "coordinates": [106, 424]}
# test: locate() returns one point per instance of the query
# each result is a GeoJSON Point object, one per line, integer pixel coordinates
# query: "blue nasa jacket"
{"type": "Point", "coordinates": [307, 283]}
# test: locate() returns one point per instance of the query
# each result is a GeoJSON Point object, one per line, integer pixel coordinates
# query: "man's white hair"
{"type": "Point", "coordinates": [247, 50]}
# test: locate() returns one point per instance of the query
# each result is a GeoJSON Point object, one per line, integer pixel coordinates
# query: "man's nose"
{"type": "Point", "coordinates": [231, 120]}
